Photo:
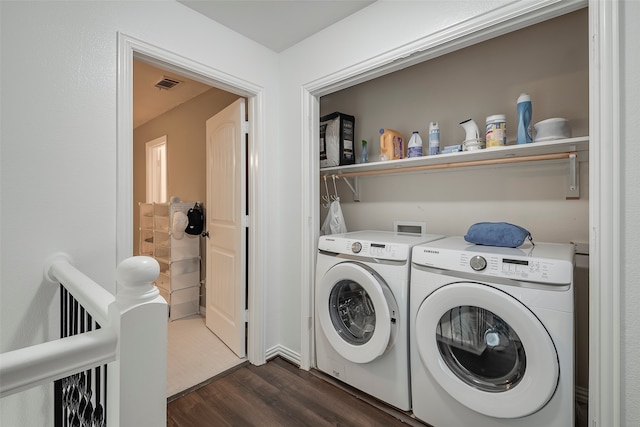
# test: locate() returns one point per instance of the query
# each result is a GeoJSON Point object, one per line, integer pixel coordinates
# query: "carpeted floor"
{"type": "Point", "coordinates": [194, 354]}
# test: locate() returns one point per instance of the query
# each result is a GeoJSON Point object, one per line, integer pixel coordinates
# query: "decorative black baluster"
{"type": "Point", "coordinates": [58, 384]}
{"type": "Point", "coordinates": [98, 413]}
{"type": "Point", "coordinates": [104, 396]}
{"type": "Point", "coordinates": [79, 399]}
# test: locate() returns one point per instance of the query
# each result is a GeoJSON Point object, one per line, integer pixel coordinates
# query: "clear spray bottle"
{"type": "Point", "coordinates": [364, 156]}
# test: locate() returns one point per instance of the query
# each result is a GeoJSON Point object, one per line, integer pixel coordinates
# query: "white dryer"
{"type": "Point", "coordinates": [492, 334]}
{"type": "Point", "coordinates": [362, 311]}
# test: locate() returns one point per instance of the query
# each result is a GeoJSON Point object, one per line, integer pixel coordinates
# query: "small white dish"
{"type": "Point", "coordinates": [552, 129]}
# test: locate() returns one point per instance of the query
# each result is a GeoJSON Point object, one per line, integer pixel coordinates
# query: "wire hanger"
{"type": "Point", "coordinates": [326, 200]}
{"type": "Point", "coordinates": [335, 190]}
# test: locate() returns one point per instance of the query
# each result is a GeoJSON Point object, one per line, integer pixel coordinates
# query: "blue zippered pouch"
{"type": "Point", "coordinates": [501, 234]}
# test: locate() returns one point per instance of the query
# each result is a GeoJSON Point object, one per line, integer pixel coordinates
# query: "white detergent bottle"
{"type": "Point", "coordinates": [415, 145]}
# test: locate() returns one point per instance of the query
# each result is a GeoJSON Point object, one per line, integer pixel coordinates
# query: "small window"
{"type": "Point", "coordinates": [156, 154]}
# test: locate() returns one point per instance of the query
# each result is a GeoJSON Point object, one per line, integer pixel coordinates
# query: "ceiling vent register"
{"type": "Point", "coordinates": [167, 83]}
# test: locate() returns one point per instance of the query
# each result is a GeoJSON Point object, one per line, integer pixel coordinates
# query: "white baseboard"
{"type": "Point", "coordinates": [285, 353]}
{"type": "Point", "coordinates": [275, 351]}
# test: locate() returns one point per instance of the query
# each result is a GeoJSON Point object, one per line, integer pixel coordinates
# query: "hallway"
{"type": "Point", "coordinates": [194, 355]}
{"type": "Point", "coordinates": [278, 393]}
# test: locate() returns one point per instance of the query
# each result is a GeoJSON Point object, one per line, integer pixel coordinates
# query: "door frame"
{"type": "Point", "coordinates": [130, 47]}
{"type": "Point", "coordinates": [605, 195]}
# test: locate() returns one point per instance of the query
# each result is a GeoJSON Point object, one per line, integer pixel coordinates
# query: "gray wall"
{"type": "Point", "coordinates": [548, 61]}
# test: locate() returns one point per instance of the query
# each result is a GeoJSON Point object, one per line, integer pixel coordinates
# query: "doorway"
{"type": "Point", "coordinates": [175, 118]}
{"type": "Point", "coordinates": [130, 48]}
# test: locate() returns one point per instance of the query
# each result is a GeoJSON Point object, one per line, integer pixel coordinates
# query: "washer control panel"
{"type": "Point", "coordinates": [369, 249]}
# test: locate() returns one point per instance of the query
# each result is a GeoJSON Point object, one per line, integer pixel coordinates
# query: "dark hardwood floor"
{"type": "Point", "coordinates": [278, 393]}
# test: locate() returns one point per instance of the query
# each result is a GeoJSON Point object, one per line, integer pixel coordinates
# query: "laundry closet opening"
{"type": "Point", "coordinates": [179, 113]}
{"type": "Point", "coordinates": [548, 60]}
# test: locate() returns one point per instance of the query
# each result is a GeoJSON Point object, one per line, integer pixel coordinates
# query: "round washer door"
{"type": "Point", "coordinates": [356, 311]}
{"type": "Point", "coordinates": [487, 350]}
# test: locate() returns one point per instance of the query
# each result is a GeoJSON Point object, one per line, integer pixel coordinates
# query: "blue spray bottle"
{"type": "Point", "coordinates": [524, 119]}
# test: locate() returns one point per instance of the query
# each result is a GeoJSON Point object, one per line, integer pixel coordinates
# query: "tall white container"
{"type": "Point", "coordinates": [434, 138]}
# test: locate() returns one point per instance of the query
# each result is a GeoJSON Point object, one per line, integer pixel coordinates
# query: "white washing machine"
{"type": "Point", "coordinates": [362, 311]}
{"type": "Point", "coordinates": [492, 334]}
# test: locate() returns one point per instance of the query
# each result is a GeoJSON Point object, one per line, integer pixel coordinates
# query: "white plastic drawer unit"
{"type": "Point", "coordinates": [146, 216]}
{"type": "Point", "coordinates": [179, 258]}
{"type": "Point", "coordinates": [146, 222]}
{"type": "Point", "coordinates": [161, 209]}
{"type": "Point", "coordinates": [184, 302]}
{"type": "Point", "coordinates": [179, 274]}
{"type": "Point", "coordinates": [161, 238]}
{"type": "Point", "coordinates": [146, 242]}
{"type": "Point", "coordinates": [161, 223]}
{"type": "Point", "coordinates": [169, 248]}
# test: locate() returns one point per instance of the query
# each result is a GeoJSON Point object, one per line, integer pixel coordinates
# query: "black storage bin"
{"type": "Point", "coordinates": [337, 136]}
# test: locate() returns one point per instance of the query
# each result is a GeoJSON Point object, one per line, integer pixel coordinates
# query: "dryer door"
{"type": "Point", "coordinates": [487, 350]}
{"type": "Point", "coordinates": [357, 312]}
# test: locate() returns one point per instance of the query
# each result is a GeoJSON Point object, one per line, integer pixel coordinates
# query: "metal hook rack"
{"type": "Point", "coordinates": [330, 197]}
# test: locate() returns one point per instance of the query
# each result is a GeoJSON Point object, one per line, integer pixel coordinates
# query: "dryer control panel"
{"type": "Point", "coordinates": [535, 270]}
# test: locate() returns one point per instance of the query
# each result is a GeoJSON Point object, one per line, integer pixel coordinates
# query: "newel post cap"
{"type": "Point", "coordinates": [135, 277]}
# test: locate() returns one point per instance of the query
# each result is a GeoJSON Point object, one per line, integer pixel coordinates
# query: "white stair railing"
{"type": "Point", "coordinates": [131, 340]}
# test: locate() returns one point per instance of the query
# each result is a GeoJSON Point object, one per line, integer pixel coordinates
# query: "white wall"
{"type": "Point", "coordinates": [376, 30]}
{"type": "Point", "coordinates": [630, 227]}
{"type": "Point", "coordinates": [58, 175]}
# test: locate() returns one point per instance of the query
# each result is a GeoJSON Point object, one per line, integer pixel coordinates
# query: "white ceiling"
{"type": "Point", "coordinates": [149, 101]}
{"type": "Point", "coordinates": [276, 25]}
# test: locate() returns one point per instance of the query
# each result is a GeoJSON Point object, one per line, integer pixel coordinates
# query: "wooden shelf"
{"type": "Point", "coordinates": [537, 151]}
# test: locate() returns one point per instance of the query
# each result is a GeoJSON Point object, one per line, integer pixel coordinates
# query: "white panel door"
{"type": "Point", "coordinates": [225, 259]}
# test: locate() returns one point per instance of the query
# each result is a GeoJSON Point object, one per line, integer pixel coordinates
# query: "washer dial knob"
{"type": "Point", "coordinates": [478, 263]}
{"type": "Point", "coordinates": [356, 247]}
